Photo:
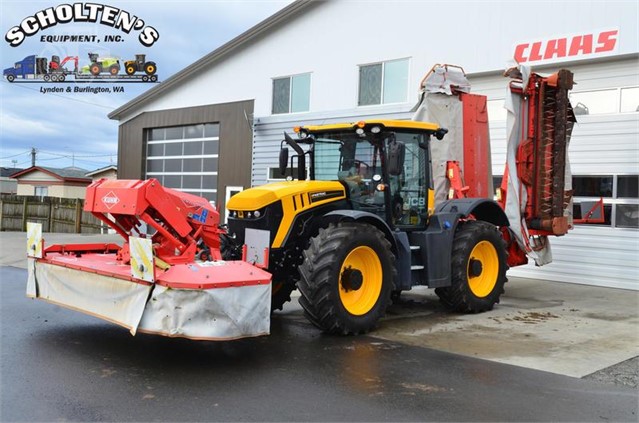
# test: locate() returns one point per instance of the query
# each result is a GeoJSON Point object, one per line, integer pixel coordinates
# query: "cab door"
{"type": "Point", "coordinates": [411, 191]}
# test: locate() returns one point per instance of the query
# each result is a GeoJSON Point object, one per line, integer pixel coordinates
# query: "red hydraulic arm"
{"type": "Point", "coordinates": [457, 187]}
{"type": "Point", "coordinates": [179, 219]}
{"type": "Point", "coordinates": [74, 59]}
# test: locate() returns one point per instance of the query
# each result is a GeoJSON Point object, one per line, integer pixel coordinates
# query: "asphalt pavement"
{"type": "Point", "coordinates": [60, 365]}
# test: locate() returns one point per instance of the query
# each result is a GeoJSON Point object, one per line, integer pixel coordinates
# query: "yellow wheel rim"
{"type": "Point", "coordinates": [360, 301]}
{"type": "Point", "coordinates": [150, 69]}
{"type": "Point", "coordinates": [130, 70]}
{"type": "Point", "coordinates": [482, 269]}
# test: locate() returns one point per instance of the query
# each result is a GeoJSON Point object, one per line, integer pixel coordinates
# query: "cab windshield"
{"type": "Point", "coordinates": [360, 162]}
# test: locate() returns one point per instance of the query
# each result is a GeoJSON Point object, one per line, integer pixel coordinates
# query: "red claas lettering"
{"type": "Point", "coordinates": [557, 48]}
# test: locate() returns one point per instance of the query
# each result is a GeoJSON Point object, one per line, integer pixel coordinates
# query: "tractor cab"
{"type": "Point", "coordinates": [383, 164]}
{"type": "Point", "coordinates": [140, 59]}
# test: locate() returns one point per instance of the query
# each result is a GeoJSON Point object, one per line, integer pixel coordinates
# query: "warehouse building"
{"type": "Point", "coordinates": [215, 127]}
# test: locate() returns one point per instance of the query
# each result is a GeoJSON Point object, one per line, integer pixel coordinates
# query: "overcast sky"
{"type": "Point", "coordinates": [73, 128]}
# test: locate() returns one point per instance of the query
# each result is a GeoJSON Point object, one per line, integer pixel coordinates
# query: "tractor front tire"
{"type": "Point", "coordinates": [347, 278]}
{"type": "Point", "coordinates": [11, 78]}
{"type": "Point", "coordinates": [130, 70]}
{"type": "Point", "coordinates": [95, 69]}
{"type": "Point", "coordinates": [478, 268]}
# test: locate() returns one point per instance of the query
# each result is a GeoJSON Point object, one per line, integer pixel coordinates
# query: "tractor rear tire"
{"type": "Point", "coordinates": [114, 69]}
{"type": "Point", "coordinates": [478, 268]}
{"type": "Point", "coordinates": [150, 68]}
{"type": "Point", "coordinates": [130, 70]}
{"type": "Point", "coordinates": [347, 278]}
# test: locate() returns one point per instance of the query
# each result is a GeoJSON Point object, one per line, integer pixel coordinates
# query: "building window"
{"type": "Point", "coordinates": [592, 186]}
{"type": "Point", "coordinates": [620, 194]}
{"type": "Point", "coordinates": [630, 99]}
{"type": "Point", "coordinates": [41, 191]}
{"type": "Point", "coordinates": [383, 83]}
{"type": "Point", "coordinates": [185, 158]}
{"type": "Point", "coordinates": [292, 94]}
{"type": "Point", "coordinates": [594, 102]}
{"type": "Point", "coordinates": [613, 100]}
{"type": "Point", "coordinates": [627, 186]}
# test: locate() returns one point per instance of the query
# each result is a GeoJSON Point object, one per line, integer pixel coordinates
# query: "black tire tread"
{"type": "Point", "coordinates": [282, 296]}
{"type": "Point", "coordinates": [319, 296]}
{"type": "Point", "coordinates": [458, 296]}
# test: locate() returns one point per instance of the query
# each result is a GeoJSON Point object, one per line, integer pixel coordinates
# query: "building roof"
{"type": "Point", "coordinates": [5, 172]}
{"type": "Point", "coordinates": [197, 67]}
{"type": "Point", "coordinates": [102, 169]}
{"type": "Point", "coordinates": [70, 174]}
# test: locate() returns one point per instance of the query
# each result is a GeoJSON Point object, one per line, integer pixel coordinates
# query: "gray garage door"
{"type": "Point", "coordinates": [185, 158]}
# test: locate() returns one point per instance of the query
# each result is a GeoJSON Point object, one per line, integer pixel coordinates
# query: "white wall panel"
{"type": "Point", "coordinates": [591, 256]}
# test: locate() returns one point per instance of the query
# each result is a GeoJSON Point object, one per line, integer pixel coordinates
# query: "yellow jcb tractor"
{"type": "Point", "coordinates": [358, 223]}
{"type": "Point", "coordinates": [364, 227]}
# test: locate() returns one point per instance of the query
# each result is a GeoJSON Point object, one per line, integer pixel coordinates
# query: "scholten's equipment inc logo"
{"type": "Point", "coordinates": [81, 13]}
{"type": "Point", "coordinates": [99, 66]}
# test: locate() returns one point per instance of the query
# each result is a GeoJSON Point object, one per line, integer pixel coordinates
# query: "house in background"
{"type": "Point", "coordinates": [108, 172]}
{"type": "Point", "coordinates": [8, 185]}
{"type": "Point", "coordinates": [68, 182]}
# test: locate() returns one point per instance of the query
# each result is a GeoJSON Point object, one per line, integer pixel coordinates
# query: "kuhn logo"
{"type": "Point", "coordinates": [110, 200]}
{"type": "Point", "coordinates": [193, 204]}
{"type": "Point", "coordinates": [568, 47]}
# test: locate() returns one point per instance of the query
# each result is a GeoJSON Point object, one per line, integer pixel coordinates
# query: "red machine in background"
{"type": "Point", "coordinates": [541, 155]}
{"type": "Point", "coordinates": [534, 192]}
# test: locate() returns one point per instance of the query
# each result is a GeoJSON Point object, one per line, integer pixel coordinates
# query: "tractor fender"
{"type": "Point", "coordinates": [364, 217]}
{"type": "Point", "coordinates": [481, 208]}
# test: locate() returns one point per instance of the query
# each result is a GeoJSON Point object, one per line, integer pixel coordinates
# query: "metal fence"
{"type": "Point", "coordinates": [63, 215]}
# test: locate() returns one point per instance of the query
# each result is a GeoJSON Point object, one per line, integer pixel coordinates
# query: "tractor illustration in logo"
{"type": "Point", "coordinates": [140, 65]}
{"type": "Point", "coordinates": [101, 64]}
